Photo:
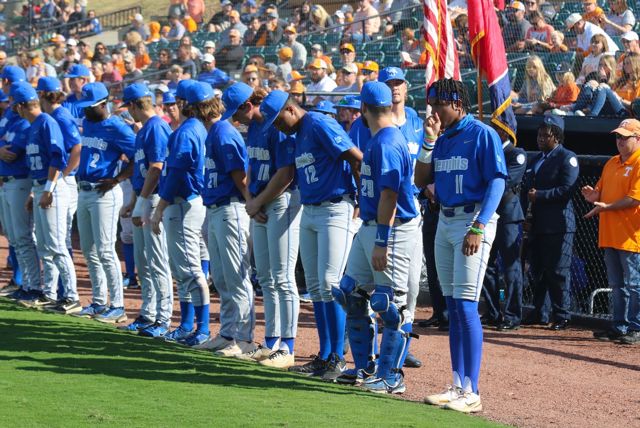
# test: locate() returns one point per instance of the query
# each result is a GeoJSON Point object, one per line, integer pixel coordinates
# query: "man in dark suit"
{"type": "Point", "coordinates": [507, 244]}
{"type": "Point", "coordinates": [549, 184]}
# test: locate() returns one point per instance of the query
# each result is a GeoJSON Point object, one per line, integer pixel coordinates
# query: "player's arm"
{"type": "Point", "coordinates": [74, 160]}
{"type": "Point", "coordinates": [47, 195]}
{"type": "Point", "coordinates": [354, 157]}
{"type": "Point", "coordinates": [239, 177]}
{"type": "Point", "coordinates": [152, 179]}
{"type": "Point", "coordinates": [278, 184]}
{"type": "Point", "coordinates": [423, 171]}
{"type": "Point", "coordinates": [385, 218]}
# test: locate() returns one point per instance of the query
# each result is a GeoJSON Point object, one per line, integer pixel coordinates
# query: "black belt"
{"type": "Point", "coordinates": [331, 201]}
{"type": "Point", "coordinates": [87, 186]}
{"type": "Point", "coordinates": [451, 212]}
{"type": "Point", "coordinates": [9, 178]}
{"type": "Point", "coordinates": [395, 221]}
{"type": "Point", "coordinates": [225, 202]}
{"type": "Point", "coordinates": [39, 182]}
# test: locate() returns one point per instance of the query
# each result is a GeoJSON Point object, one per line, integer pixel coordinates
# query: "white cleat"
{"type": "Point", "coordinates": [258, 353]}
{"type": "Point", "coordinates": [214, 344]}
{"type": "Point", "coordinates": [451, 394]}
{"type": "Point", "coordinates": [235, 348]}
{"type": "Point", "coordinates": [279, 359]}
{"type": "Point", "coordinates": [468, 402]}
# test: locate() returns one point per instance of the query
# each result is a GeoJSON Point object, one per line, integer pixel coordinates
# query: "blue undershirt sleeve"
{"type": "Point", "coordinates": [491, 200]}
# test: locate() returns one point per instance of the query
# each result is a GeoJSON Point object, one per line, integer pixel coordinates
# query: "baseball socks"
{"type": "Point", "coordinates": [15, 266]}
{"type": "Point", "coordinates": [205, 268]}
{"type": "Point", "coordinates": [322, 325]}
{"type": "Point", "coordinates": [187, 314]}
{"type": "Point", "coordinates": [129, 264]}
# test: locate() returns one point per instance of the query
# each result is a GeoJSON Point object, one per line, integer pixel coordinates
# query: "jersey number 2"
{"type": "Point", "coordinates": [94, 160]}
{"type": "Point", "coordinates": [459, 184]}
{"type": "Point", "coordinates": [310, 173]}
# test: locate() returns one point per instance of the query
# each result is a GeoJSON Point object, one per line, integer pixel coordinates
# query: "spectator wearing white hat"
{"type": "Point", "coordinates": [346, 80]}
{"type": "Point", "coordinates": [584, 32]}
{"type": "Point", "coordinates": [320, 81]}
{"type": "Point", "coordinates": [212, 75]}
{"type": "Point", "coordinates": [209, 47]}
{"type": "Point", "coordinates": [137, 24]}
{"type": "Point", "coordinates": [631, 47]}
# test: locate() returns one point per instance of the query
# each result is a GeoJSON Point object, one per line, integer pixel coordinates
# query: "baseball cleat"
{"type": "Point", "coordinates": [280, 359]}
{"type": "Point", "coordinates": [335, 368]}
{"type": "Point", "coordinates": [9, 289]}
{"type": "Point", "coordinates": [315, 367]}
{"type": "Point", "coordinates": [214, 344]}
{"type": "Point", "coordinates": [157, 329]}
{"type": "Point", "coordinates": [237, 348]}
{"type": "Point", "coordinates": [196, 338]}
{"type": "Point", "coordinates": [451, 394]}
{"type": "Point", "coordinates": [357, 377]}
{"type": "Point", "coordinates": [38, 303]}
{"type": "Point", "coordinates": [112, 316]}
{"type": "Point", "coordinates": [258, 353]}
{"type": "Point", "coordinates": [91, 311]}
{"type": "Point", "coordinates": [392, 385]}
{"type": "Point", "coordinates": [305, 297]}
{"type": "Point", "coordinates": [138, 324]}
{"type": "Point", "coordinates": [468, 402]}
{"type": "Point", "coordinates": [18, 294]}
{"type": "Point", "coordinates": [177, 334]}
{"type": "Point", "coordinates": [27, 298]}
{"type": "Point", "coordinates": [65, 307]}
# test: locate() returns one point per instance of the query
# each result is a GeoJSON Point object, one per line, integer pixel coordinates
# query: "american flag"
{"type": "Point", "coordinates": [442, 56]}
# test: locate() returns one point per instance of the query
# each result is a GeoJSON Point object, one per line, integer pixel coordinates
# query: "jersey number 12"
{"type": "Point", "coordinates": [310, 173]}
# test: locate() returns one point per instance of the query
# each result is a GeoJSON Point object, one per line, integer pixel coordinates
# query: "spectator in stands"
{"type": "Point", "coordinates": [620, 18]}
{"type": "Point", "coordinates": [99, 50]}
{"type": "Point", "coordinates": [278, 84]}
{"type": "Point", "coordinates": [539, 32]}
{"type": "Point", "coordinates": [616, 199]}
{"type": "Point", "coordinates": [195, 9]}
{"type": "Point", "coordinates": [267, 72]}
{"type": "Point", "coordinates": [401, 13]}
{"type": "Point", "coordinates": [347, 9]}
{"type": "Point", "coordinates": [48, 12]}
{"type": "Point", "coordinates": [195, 53]}
{"type": "Point", "coordinates": [284, 56]}
{"type": "Point", "coordinates": [230, 56]}
{"type": "Point", "coordinates": [347, 54]}
{"type": "Point", "coordinates": [515, 32]}
{"type": "Point", "coordinates": [97, 70]}
{"type": "Point", "coordinates": [177, 29]}
{"type": "Point", "coordinates": [368, 73]}
{"type": "Point", "coordinates": [75, 19]}
{"type": "Point", "coordinates": [591, 62]}
{"type": "Point", "coordinates": [3, 60]}
{"type": "Point", "coordinates": [530, 8]}
{"type": "Point", "coordinates": [133, 74]}
{"type": "Point", "coordinates": [605, 77]}
{"type": "Point", "coordinates": [111, 74]}
{"type": "Point", "coordinates": [320, 81]}
{"type": "Point", "coordinates": [164, 33]}
{"type": "Point", "coordinates": [234, 24]}
{"type": "Point", "coordinates": [304, 20]}
{"type": "Point", "coordinates": [593, 13]}
{"type": "Point", "coordinates": [366, 22]}
{"type": "Point", "coordinates": [338, 20]}
{"type": "Point", "coordinates": [220, 20]}
{"type": "Point", "coordinates": [143, 60]}
{"type": "Point", "coordinates": [298, 92]}
{"type": "Point", "coordinates": [411, 45]}
{"type": "Point", "coordinates": [154, 32]}
{"type": "Point", "coordinates": [209, 47]}
{"type": "Point", "coordinates": [38, 68]}
{"type": "Point", "coordinates": [251, 76]}
{"type": "Point", "coordinates": [320, 19]}
{"type": "Point", "coordinates": [556, 45]}
{"type": "Point", "coordinates": [253, 32]}
{"type": "Point", "coordinates": [584, 32]}
{"type": "Point", "coordinates": [138, 25]}
{"type": "Point", "coordinates": [84, 51]}
{"type": "Point", "coordinates": [299, 51]}
{"type": "Point", "coordinates": [174, 75]}
{"type": "Point", "coordinates": [318, 52]}
{"type": "Point", "coordinates": [177, 8]}
{"type": "Point", "coordinates": [537, 86]}
{"type": "Point", "coordinates": [164, 60]}
{"type": "Point", "coordinates": [565, 94]}
{"type": "Point", "coordinates": [631, 47]}
{"type": "Point", "coordinates": [250, 12]}
{"type": "Point", "coordinates": [270, 33]}
{"type": "Point", "coordinates": [346, 80]}
{"type": "Point", "coordinates": [190, 25]}
{"type": "Point", "coordinates": [212, 75]}
{"type": "Point", "coordinates": [72, 45]}
{"type": "Point", "coordinates": [185, 61]}
{"type": "Point", "coordinates": [617, 100]}
{"type": "Point", "coordinates": [94, 26]}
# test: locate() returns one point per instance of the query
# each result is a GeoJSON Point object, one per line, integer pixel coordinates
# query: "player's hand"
{"type": "Point", "coordinates": [46, 200]}
{"type": "Point", "coordinates": [6, 154]}
{"type": "Point", "coordinates": [471, 244]}
{"type": "Point", "coordinates": [379, 258]}
{"type": "Point", "coordinates": [597, 209]}
{"type": "Point", "coordinates": [125, 211]}
{"type": "Point", "coordinates": [590, 194]}
{"type": "Point", "coordinates": [532, 195]}
{"type": "Point", "coordinates": [260, 217]}
{"type": "Point", "coordinates": [432, 125]}
{"type": "Point", "coordinates": [356, 212]}
{"type": "Point", "coordinates": [106, 185]}
{"type": "Point", "coordinates": [137, 221]}
{"type": "Point", "coordinates": [156, 219]}
{"type": "Point", "coordinates": [430, 192]}
{"type": "Point", "coordinates": [28, 205]}
{"type": "Point", "coordinates": [252, 207]}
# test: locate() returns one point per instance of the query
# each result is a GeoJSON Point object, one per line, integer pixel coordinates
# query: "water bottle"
{"type": "Point", "coordinates": [501, 295]}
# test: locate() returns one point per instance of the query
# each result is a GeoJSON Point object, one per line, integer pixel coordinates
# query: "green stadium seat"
{"type": "Point", "coordinates": [333, 39]}
{"type": "Point", "coordinates": [376, 56]}
{"type": "Point", "coordinates": [415, 76]}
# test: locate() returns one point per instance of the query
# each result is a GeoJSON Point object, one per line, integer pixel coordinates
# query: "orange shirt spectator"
{"type": "Point", "coordinates": [565, 94]}
{"type": "Point", "coordinates": [593, 13]}
{"type": "Point", "coordinates": [190, 24]}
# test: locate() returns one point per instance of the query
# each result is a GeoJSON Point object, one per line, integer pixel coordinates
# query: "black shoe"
{"type": "Point", "coordinates": [533, 320]}
{"type": "Point", "coordinates": [608, 335]}
{"type": "Point", "coordinates": [631, 338]}
{"type": "Point", "coordinates": [507, 326]}
{"type": "Point", "coordinates": [335, 368]}
{"type": "Point", "coordinates": [444, 326]}
{"type": "Point", "coordinates": [559, 325]}
{"type": "Point", "coordinates": [412, 362]}
{"type": "Point", "coordinates": [431, 322]}
{"type": "Point", "coordinates": [488, 322]}
{"type": "Point", "coordinates": [315, 367]}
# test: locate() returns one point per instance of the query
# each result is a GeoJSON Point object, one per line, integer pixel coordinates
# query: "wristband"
{"type": "Point", "coordinates": [383, 232]}
{"type": "Point", "coordinates": [49, 186]}
{"type": "Point", "coordinates": [476, 231]}
{"type": "Point", "coordinates": [424, 155]}
{"type": "Point", "coordinates": [430, 138]}
{"type": "Point", "coordinates": [140, 206]}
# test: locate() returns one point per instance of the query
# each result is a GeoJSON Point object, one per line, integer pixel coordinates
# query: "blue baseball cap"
{"type": "Point", "coordinates": [552, 119]}
{"type": "Point", "coordinates": [376, 94]}
{"type": "Point", "coordinates": [271, 107]}
{"type": "Point", "coordinates": [136, 91]}
{"type": "Point", "coordinates": [13, 74]}
{"type": "Point", "coordinates": [199, 92]}
{"type": "Point", "coordinates": [49, 84]}
{"type": "Point", "coordinates": [233, 97]}
{"type": "Point", "coordinates": [168, 98]}
{"type": "Point", "coordinates": [23, 92]}
{"type": "Point", "coordinates": [78, 70]}
{"type": "Point", "coordinates": [349, 101]}
{"type": "Point", "coordinates": [92, 95]}
{"type": "Point", "coordinates": [325, 106]}
{"type": "Point", "coordinates": [391, 73]}
{"type": "Point", "coordinates": [181, 90]}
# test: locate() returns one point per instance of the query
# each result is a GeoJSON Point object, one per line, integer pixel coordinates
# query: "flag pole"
{"type": "Point", "coordinates": [479, 84]}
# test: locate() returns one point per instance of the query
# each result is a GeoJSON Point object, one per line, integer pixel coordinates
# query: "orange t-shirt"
{"type": "Point", "coordinates": [595, 16]}
{"type": "Point", "coordinates": [566, 94]}
{"type": "Point", "coordinates": [142, 61]}
{"type": "Point", "coordinates": [629, 92]}
{"type": "Point", "coordinates": [620, 229]}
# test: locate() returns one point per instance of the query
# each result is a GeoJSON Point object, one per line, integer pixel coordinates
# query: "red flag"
{"type": "Point", "coordinates": [487, 49]}
{"type": "Point", "coordinates": [442, 56]}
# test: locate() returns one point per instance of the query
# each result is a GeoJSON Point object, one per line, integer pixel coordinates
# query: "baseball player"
{"type": "Point", "coordinates": [150, 250]}
{"type": "Point", "coordinates": [17, 188]}
{"type": "Point", "coordinates": [228, 226]}
{"type": "Point", "coordinates": [106, 139]}
{"type": "Point", "coordinates": [182, 213]}
{"type": "Point", "coordinates": [348, 110]}
{"type": "Point", "coordinates": [383, 250]}
{"type": "Point", "coordinates": [326, 164]}
{"type": "Point", "coordinates": [47, 158]}
{"type": "Point", "coordinates": [51, 95]}
{"type": "Point", "coordinates": [129, 279]}
{"type": "Point", "coordinates": [78, 76]}
{"type": "Point", "coordinates": [275, 209]}
{"type": "Point", "coordinates": [469, 172]}
{"type": "Point", "coordinates": [171, 109]}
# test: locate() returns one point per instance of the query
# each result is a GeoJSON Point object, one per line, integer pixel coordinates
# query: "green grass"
{"type": "Point", "coordinates": [63, 371]}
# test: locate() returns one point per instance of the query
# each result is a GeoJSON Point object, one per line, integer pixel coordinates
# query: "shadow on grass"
{"type": "Point", "coordinates": [65, 345]}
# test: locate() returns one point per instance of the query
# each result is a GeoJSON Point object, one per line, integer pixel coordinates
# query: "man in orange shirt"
{"type": "Point", "coordinates": [616, 198]}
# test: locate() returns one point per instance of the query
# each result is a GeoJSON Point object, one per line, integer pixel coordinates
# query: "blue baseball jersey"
{"type": "Point", "coordinates": [45, 147]}
{"type": "Point", "coordinates": [16, 136]}
{"type": "Point", "coordinates": [466, 157]}
{"type": "Point", "coordinates": [268, 152]}
{"type": "Point", "coordinates": [103, 143]}
{"type": "Point", "coordinates": [182, 175]}
{"type": "Point", "coordinates": [216, 78]}
{"type": "Point", "coordinates": [226, 152]}
{"type": "Point", "coordinates": [7, 118]}
{"type": "Point", "coordinates": [387, 165]}
{"type": "Point", "coordinates": [151, 146]}
{"type": "Point", "coordinates": [71, 104]}
{"type": "Point", "coordinates": [322, 176]}
{"type": "Point", "coordinates": [69, 128]}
